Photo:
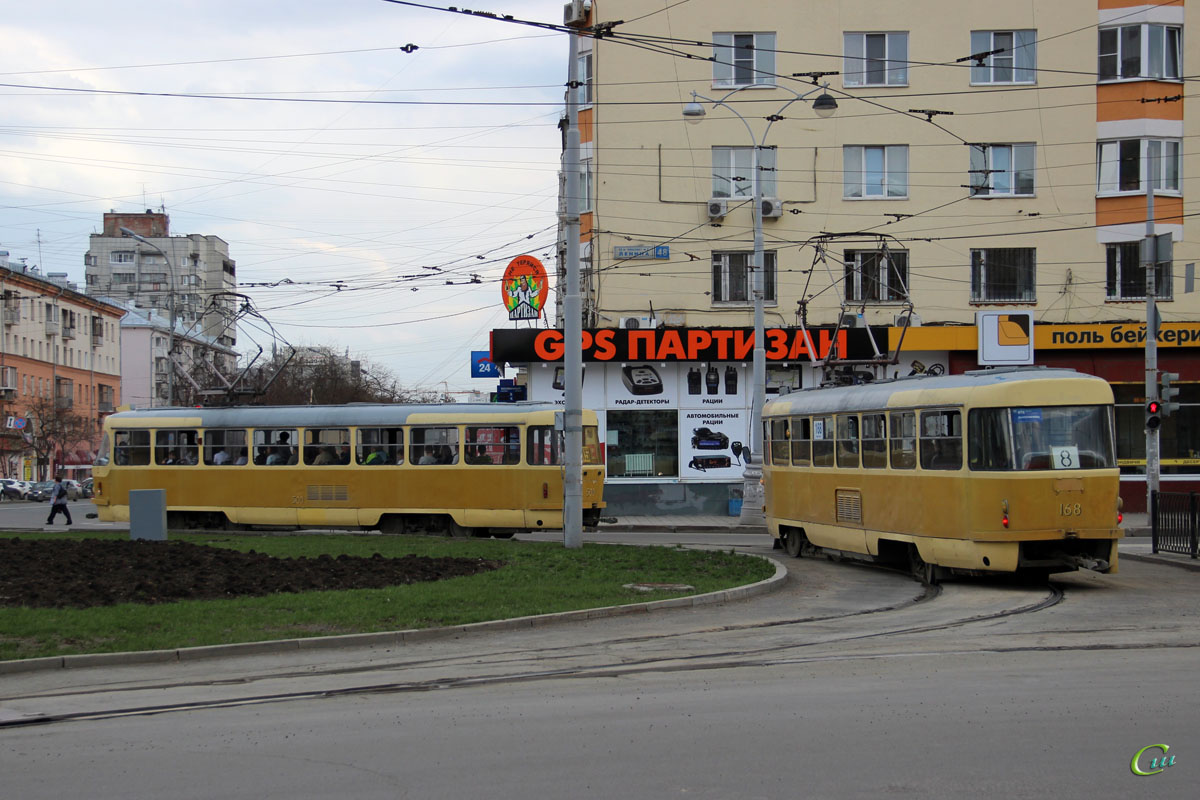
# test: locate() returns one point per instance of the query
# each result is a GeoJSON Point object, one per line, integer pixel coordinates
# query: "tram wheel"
{"type": "Point", "coordinates": [793, 545]}
{"type": "Point", "coordinates": [921, 571]}
{"type": "Point", "coordinates": [458, 531]}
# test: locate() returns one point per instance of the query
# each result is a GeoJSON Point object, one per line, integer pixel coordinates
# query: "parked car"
{"type": "Point", "coordinates": [14, 489]}
{"type": "Point", "coordinates": [42, 489]}
{"type": "Point", "coordinates": [87, 488]}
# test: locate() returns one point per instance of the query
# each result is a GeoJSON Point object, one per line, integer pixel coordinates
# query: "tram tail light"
{"type": "Point", "coordinates": [1004, 513]}
{"type": "Point", "coordinates": [1004, 520]}
{"type": "Point", "coordinates": [1120, 517]}
{"type": "Point", "coordinates": [545, 491]}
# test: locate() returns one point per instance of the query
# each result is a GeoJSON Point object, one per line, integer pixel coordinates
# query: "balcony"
{"type": "Point", "coordinates": [68, 332]}
{"type": "Point", "coordinates": [12, 314]}
{"type": "Point", "coordinates": [105, 407]}
{"type": "Point", "coordinates": [64, 402]}
{"type": "Point", "coordinates": [52, 327]}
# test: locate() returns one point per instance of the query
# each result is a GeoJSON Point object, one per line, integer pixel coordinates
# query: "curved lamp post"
{"type": "Point", "coordinates": [171, 300]}
{"type": "Point", "coordinates": [823, 105]}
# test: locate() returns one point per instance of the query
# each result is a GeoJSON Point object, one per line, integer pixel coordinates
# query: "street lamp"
{"type": "Point", "coordinates": [823, 105]}
{"type": "Point", "coordinates": [171, 303]}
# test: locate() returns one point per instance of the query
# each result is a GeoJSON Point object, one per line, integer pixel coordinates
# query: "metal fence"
{"type": "Point", "coordinates": [1173, 523]}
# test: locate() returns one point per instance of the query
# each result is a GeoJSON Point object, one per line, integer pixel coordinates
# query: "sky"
{"type": "Point", "coordinates": [447, 172]}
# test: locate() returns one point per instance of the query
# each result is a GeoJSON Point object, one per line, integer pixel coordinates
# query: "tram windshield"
{"type": "Point", "coordinates": [1047, 438]}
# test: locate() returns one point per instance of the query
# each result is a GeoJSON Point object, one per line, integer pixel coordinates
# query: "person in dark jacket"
{"type": "Point", "coordinates": [58, 501]}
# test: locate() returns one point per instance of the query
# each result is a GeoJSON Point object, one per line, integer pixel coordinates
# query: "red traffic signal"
{"type": "Point", "coordinates": [1152, 414]}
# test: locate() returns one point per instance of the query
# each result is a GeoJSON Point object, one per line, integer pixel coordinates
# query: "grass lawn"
{"type": "Point", "coordinates": [537, 578]}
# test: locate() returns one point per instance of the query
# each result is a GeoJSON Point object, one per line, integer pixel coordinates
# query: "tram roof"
{"type": "Point", "coordinates": [325, 416]}
{"type": "Point", "coordinates": [999, 386]}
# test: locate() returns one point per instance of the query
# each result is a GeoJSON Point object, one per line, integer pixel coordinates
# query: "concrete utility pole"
{"type": "Point", "coordinates": [1149, 253]}
{"type": "Point", "coordinates": [573, 317]}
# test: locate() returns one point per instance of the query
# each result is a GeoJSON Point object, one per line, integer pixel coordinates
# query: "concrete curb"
{"type": "Point", "coordinates": [1154, 558]}
{"type": "Point", "coordinates": [396, 637]}
{"type": "Point", "coordinates": [618, 527]}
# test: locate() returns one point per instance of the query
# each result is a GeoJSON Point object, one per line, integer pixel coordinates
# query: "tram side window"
{"type": "Point", "coordinates": [874, 441]}
{"type": "Point", "coordinates": [904, 440]}
{"type": "Point", "coordinates": [847, 440]}
{"type": "Point", "coordinates": [801, 442]}
{"type": "Point", "coordinates": [988, 446]}
{"type": "Point", "coordinates": [822, 441]}
{"type": "Point", "coordinates": [176, 447]}
{"type": "Point", "coordinates": [492, 444]}
{"type": "Point", "coordinates": [133, 448]}
{"type": "Point", "coordinates": [326, 447]}
{"type": "Point", "coordinates": [275, 446]}
{"type": "Point", "coordinates": [545, 447]}
{"type": "Point", "coordinates": [225, 447]}
{"type": "Point", "coordinates": [941, 439]}
{"type": "Point", "coordinates": [376, 446]}
{"type": "Point", "coordinates": [780, 436]}
{"type": "Point", "coordinates": [434, 446]}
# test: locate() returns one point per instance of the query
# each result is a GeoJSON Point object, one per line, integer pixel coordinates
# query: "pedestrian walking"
{"type": "Point", "coordinates": [58, 501]}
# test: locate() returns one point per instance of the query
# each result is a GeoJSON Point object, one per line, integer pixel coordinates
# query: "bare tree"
{"type": "Point", "coordinates": [57, 429]}
{"type": "Point", "coordinates": [321, 376]}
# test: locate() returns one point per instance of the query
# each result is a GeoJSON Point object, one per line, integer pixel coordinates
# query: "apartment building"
{"type": "Point", "coordinates": [192, 272]}
{"type": "Point", "coordinates": [201, 362]}
{"type": "Point", "coordinates": [60, 373]}
{"type": "Point", "coordinates": [985, 163]}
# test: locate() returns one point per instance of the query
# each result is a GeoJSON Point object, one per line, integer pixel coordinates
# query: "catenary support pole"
{"type": "Point", "coordinates": [573, 319]}
{"type": "Point", "coordinates": [1149, 257]}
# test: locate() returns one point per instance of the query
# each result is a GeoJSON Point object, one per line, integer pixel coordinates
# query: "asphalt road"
{"type": "Point", "coordinates": [848, 682]}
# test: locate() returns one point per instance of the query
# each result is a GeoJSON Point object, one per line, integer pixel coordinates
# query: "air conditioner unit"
{"type": "Point", "coordinates": [638, 323]}
{"type": "Point", "coordinates": [575, 13]}
{"type": "Point", "coordinates": [718, 207]}
{"type": "Point", "coordinates": [771, 207]}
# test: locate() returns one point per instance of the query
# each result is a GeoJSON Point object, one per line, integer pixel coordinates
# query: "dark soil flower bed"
{"type": "Point", "coordinates": [73, 573]}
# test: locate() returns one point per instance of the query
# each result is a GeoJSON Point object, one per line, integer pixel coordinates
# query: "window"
{"type": "Point", "coordinates": [643, 444]}
{"type": "Point", "coordinates": [779, 449]}
{"type": "Point", "coordinates": [124, 277]}
{"type": "Point", "coordinates": [434, 446]}
{"type": "Point", "coordinates": [1003, 275]}
{"type": "Point", "coordinates": [1119, 165]}
{"type": "Point", "coordinates": [903, 443]}
{"type": "Point", "coordinates": [493, 445]}
{"type": "Point", "coordinates": [876, 275]}
{"type": "Point", "coordinates": [1139, 51]}
{"type": "Point", "coordinates": [732, 281]}
{"type": "Point", "coordinates": [733, 171]}
{"type": "Point", "coordinates": [331, 446]}
{"type": "Point", "coordinates": [875, 171]}
{"type": "Point", "coordinates": [1015, 62]}
{"type": "Point", "coordinates": [585, 185]}
{"type": "Point", "coordinates": [545, 446]}
{"type": "Point", "coordinates": [847, 440]}
{"type": "Point", "coordinates": [1051, 437]}
{"type": "Point", "coordinates": [275, 447]}
{"type": "Point", "coordinates": [876, 59]}
{"type": "Point", "coordinates": [133, 448]}
{"type": "Point", "coordinates": [801, 431]}
{"type": "Point", "coordinates": [376, 446]}
{"type": "Point", "coordinates": [822, 441]}
{"type": "Point", "coordinates": [1001, 169]}
{"type": "Point", "coordinates": [743, 59]}
{"type": "Point", "coordinates": [941, 439]}
{"type": "Point", "coordinates": [874, 441]}
{"type": "Point", "coordinates": [120, 257]}
{"type": "Point", "coordinates": [583, 94]}
{"type": "Point", "coordinates": [1126, 278]}
{"type": "Point", "coordinates": [176, 447]}
{"type": "Point", "coordinates": [225, 447]}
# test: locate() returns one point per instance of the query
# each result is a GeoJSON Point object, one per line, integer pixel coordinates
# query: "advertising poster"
{"type": "Point", "coordinates": [641, 385]}
{"type": "Point", "coordinates": [713, 385]}
{"type": "Point", "coordinates": [712, 442]}
{"type": "Point", "coordinates": [546, 385]}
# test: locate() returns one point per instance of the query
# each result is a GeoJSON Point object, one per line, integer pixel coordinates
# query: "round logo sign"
{"type": "Point", "coordinates": [524, 288]}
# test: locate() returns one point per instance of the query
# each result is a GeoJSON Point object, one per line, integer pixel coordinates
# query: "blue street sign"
{"type": "Point", "coordinates": [481, 366]}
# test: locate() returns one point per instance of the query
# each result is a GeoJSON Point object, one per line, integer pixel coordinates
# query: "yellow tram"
{"type": "Point", "coordinates": [461, 469]}
{"type": "Point", "coordinates": [991, 471]}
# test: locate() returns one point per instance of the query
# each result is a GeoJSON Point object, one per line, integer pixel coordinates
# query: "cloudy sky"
{"type": "Point", "coordinates": [445, 169]}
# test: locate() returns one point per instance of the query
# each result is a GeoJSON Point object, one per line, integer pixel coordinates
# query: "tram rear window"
{"type": "Point", "coordinates": [1050, 437]}
{"type": "Point", "coordinates": [545, 446]}
{"type": "Point", "coordinates": [493, 444]}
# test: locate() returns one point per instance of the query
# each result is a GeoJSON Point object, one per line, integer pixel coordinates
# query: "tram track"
{"type": "Point", "coordinates": [585, 665]}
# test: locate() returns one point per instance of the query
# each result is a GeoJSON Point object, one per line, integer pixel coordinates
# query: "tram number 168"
{"type": "Point", "coordinates": [1070, 509]}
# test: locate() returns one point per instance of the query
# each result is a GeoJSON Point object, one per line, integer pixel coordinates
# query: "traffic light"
{"type": "Point", "coordinates": [1153, 410]}
{"type": "Point", "coordinates": [1167, 393]}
